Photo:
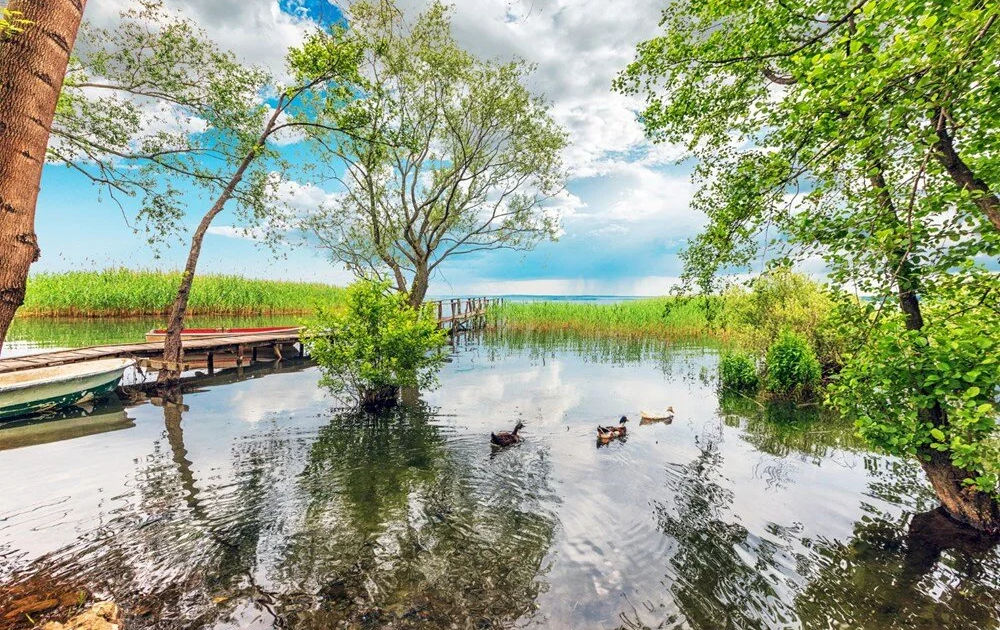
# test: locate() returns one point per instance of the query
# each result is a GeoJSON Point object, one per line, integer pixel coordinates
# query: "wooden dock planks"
{"type": "Point", "coordinates": [461, 311]}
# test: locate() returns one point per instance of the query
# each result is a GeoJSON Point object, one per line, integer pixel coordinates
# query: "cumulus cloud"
{"type": "Point", "coordinates": [622, 188]}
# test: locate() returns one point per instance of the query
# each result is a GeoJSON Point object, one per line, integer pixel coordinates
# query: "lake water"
{"type": "Point", "coordinates": [260, 504]}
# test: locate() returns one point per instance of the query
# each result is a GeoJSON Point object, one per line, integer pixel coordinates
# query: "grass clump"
{"type": "Point", "coordinates": [128, 293]}
{"type": "Point", "coordinates": [793, 370]}
{"type": "Point", "coordinates": [657, 317]}
{"type": "Point", "coordinates": [738, 372]}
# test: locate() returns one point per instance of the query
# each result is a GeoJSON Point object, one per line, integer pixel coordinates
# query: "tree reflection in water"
{"type": "Point", "coordinates": [400, 527]}
{"type": "Point", "coordinates": [259, 508]}
{"type": "Point", "coordinates": [377, 520]}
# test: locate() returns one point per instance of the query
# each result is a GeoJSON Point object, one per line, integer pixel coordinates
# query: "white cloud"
{"type": "Point", "coordinates": [621, 186]}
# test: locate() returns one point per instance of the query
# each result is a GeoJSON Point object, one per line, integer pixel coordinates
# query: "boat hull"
{"type": "Point", "coordinates": [55, 393]}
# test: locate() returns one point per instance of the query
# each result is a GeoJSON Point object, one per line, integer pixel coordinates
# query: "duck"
{"type": "Point", "coordinates": [645, 417]}
{"type": "Point", "coordinates": [609, 432]}
{"type": "Point", "coordinates": [507, 438]}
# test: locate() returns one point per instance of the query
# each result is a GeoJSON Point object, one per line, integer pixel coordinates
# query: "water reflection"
{"type": "Point", "coordinates": [254, 503]}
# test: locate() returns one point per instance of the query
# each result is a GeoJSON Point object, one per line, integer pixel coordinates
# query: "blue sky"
{"type": "Point", "coordinates": [625, 209]}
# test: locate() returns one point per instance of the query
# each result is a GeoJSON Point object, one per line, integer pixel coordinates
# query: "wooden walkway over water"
{"type": "Point", "coordinates": [455, 315]}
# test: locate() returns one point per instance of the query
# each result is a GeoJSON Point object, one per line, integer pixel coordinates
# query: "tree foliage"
{"type": "Point", "coordinates": [859, 132]}
{"type": "Point", "coordinates": [953, 361]}
{"type": "Point", "coordinates": [152, 109]}
{"type": "Point", "coordinates": [456, 156]}
{"type": "Point", "coordinates": [376, 344]}
{"type": "Point", "coordinates": [782, 300]}
{"type": "Point", "coordinates": [11, 21]}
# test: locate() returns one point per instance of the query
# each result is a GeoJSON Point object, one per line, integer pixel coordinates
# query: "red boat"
{"type": "Point", "coordinates": [159, 334]}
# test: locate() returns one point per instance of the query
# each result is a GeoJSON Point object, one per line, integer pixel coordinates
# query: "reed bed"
{"type": "Point", "coordinates": [667, 317]}
{"type": "Point", "coordinates": [128, 293]}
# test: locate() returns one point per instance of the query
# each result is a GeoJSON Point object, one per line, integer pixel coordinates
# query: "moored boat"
{"type": "Point", "coordinates": [159, 334]}
{"type": "Point", "coordinates": [36, 390]}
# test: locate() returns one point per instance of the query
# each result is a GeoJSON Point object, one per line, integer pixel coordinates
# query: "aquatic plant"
{"type": "Point", "coordinates": [738, 371]}
{"type": "Point", "coordinates": [376, 346]}
{"type": "Point", "coordinates": [661, 317]}
{"type": "Point", "coordinates": [124, 292]}
{"type": "Point", "coordinates": [792, 368]}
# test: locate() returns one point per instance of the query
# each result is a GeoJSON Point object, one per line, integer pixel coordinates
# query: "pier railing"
{"type": "Point", "coordinates": [463, 313]}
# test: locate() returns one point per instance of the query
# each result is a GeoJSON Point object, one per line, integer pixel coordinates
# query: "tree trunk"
{"type": "Point", "coordinates": [32, 67]}
{"type": "Point", "coordinates": [173, 348]}
{"type": "Point", "coordinates": [963, 503]}
{"type": "Point", "coordinates": [380, 398]}
{"type": "Point", "coordinates": [963, 176]}
{"type": "Point", "coordinates": [418, 289]}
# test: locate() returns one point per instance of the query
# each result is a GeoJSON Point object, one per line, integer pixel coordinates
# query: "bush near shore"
{"type": "Point", "coordinates": [128, 293]}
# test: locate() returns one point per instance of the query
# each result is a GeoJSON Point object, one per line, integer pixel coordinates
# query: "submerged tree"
{"type": "Point", "coordinates": [454, 155]}
{"type": "Point", "coordinates": [32, 65]}
{"type": "Point", "coordinates": [860, 132]}
{"type": "Point", "coordinates": [154, 102]}
{"type": "Point", "coordinates": [377, 345]}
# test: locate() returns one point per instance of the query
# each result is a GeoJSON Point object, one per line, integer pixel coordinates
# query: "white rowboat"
{"type": "Point", "coordinates": [36, 390]}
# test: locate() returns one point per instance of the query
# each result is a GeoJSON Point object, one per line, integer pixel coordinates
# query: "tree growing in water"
{"type": "Point", "coordinates": [863, 133]}
{"type": "Point", "coordinates": [453, 156]}
{"type": "Point", "coordinates": [377, 345]}
{"type": "Point", "coordinates": [32, 65]}
{"type": "Point", "coordinates": [154, 102]}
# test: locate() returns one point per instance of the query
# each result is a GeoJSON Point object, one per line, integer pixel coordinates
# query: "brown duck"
{"type": "Point", "coordinates": [507, 438]}
{"type": "Point", "coordinates": [610, 432]}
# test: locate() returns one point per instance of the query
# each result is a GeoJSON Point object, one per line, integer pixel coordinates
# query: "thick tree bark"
{"type": "Point", "coordinates": [963, 503]}
{"type": "Point", "coordinates": [964, 177]}
{"type": "Point", "coordinates": [418, 288]}
{"type": "Point", "coordinates": [32, 66]}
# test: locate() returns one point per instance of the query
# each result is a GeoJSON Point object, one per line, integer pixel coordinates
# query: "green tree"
{"type": "Point", "coordinates": [153, 103]}
{"type": "Point", "coordinates": [455, 157]}
{"type": "Point", "coordinates": [377, 345]}
{"type": "Point", "coordinates": [860, 132]}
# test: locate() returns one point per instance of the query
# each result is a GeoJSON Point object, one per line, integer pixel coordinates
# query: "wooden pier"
{"type": "Point", "coordinates": [455, 315]}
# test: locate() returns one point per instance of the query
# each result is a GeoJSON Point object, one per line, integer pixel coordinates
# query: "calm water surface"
{"type": "Point", "coordinates": [259, 504]}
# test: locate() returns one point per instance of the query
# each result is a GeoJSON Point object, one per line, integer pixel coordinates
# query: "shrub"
{"type": "Point", "coordinates": [890, 383]}
{"type": "Point", "coordinates": [376, 346]}
{"type": "Point", "coordinates": [783, 300]}
{"type": "Point", "coordinates": [792, 367]}
{"type": "Point", "coordinates": [738, 372]}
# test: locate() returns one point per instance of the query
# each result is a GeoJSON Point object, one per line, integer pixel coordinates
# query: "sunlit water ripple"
{"type": "Point", "coordinates": [257, 505]}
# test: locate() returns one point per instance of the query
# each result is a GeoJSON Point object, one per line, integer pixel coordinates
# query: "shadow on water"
{"type": "Point", "coordinates": [250, 503]}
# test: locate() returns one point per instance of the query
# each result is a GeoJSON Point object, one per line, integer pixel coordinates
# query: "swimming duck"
{"type": "Point", "coordinates": [507, 438]}
{"type": "Point", "coordinates": [645, 417]}
{"type": "Point", "coordinates": [607, 433]}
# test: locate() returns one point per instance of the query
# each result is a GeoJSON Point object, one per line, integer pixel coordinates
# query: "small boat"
{"type": "Point", "coordinates": [49, 388]}
{"type": "Point", "coordinates": [159, 334]}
